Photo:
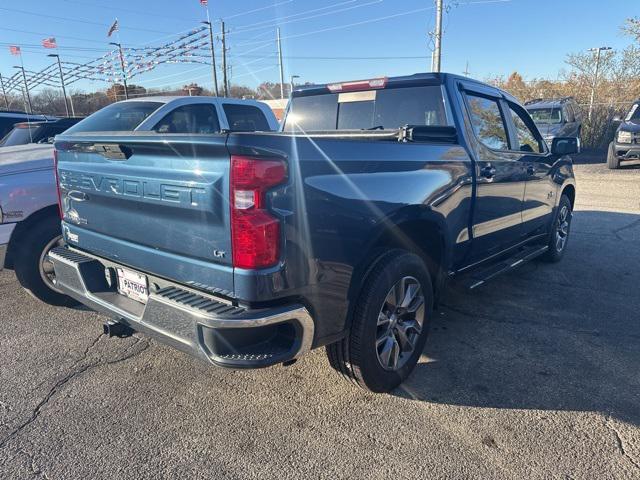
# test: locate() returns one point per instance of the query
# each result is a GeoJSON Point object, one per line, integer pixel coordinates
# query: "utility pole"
{"type": "Point", "coordinates": [225, 80]}
{"type": "Point", "coordinates": [4, 93]}
{"type": "Point", "coordinates": [64, 91]}
{"type": "Point", "coordinates": [280, 61]}
{"type": "Point", "coordinates": [595, 77]}
{"type": "Point", "coordinates": [466, 70]}
{"type": "Point", "coordinates": [213, 57]}
{"type": "Point", "coordinates": [437, 50]}
{"type": "Point", "coordinates": [124, 74]}
{"type": "Point", "coordinates": [26, 87]}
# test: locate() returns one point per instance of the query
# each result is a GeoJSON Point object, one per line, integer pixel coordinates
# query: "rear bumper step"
{"type": "Point", "coordinates": [201, 325]}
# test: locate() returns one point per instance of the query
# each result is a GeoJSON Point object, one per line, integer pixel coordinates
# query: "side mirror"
{"type": "Point", "coordinates": [565, 146]}
{"type": "Point", "coordinates": [617, 119]}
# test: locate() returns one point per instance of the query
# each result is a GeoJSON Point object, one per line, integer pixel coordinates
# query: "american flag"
{"type": "Point", "coordinates": [204, 3]}
{"type": "Point", "coordinates": [114, 28]}
{"type": "Point", "coordinates": [49, 43]}
{"type": "Point", "coordinates": [14, 50]}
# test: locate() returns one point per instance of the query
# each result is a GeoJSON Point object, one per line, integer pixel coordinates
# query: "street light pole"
{"type": "Point", "coordinates": [437, 50]}
{"type": "Point", "coordinates": [64, 90]}
{"type": "Point", "coordinates": [595, 77]}
{"type": "Point", "coordinates": [280, 62]}
{"type": "Point", "coordinates": [213, 57]}
{"type": "Point", "coordinates": [124, 75]}
{"type": "Point", "coordinates": [26, 86]}
{"type": "Point", "coordinates": [293, 77]}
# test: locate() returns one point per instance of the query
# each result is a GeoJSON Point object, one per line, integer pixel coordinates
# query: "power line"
{"type": "Point", "coordinates": [76, 20]}
{"type": "Point", "coordinates": [269, 23]}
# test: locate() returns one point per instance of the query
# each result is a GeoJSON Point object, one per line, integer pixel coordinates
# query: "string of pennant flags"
{"type": "Point", "coordinates": [192, 47]}
{"type": "Point", "coordinates": [118, 65]}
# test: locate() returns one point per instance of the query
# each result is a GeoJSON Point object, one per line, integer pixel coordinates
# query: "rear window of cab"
{"type": "Point", "coordinates": [389, 108]}
{"type": "Point", "coordinates": [117, 117]}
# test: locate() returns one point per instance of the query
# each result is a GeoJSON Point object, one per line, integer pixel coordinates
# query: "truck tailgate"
{"type": "Point", "coordinates": [158, 204]}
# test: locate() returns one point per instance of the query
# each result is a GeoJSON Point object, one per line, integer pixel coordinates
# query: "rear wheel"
{"type": "Point", "coordinates": [612, 160]}
{"type": "Point", "coordinates": [560, 231]}
{"type": "Point", "coordinates": [390, 324]}
{"type": "Point", "coordinates": [33, 269]}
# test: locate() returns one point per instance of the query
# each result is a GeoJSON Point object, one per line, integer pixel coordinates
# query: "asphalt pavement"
{"type": "Point", "coordinates": [535, 375]}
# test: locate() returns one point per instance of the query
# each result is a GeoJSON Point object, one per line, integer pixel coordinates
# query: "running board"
{"type": "Point", "coordinates": [523, 256]}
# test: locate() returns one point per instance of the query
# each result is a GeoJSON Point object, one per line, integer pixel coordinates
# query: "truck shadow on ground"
{"type": "Point", "coordinates": [547, 336]}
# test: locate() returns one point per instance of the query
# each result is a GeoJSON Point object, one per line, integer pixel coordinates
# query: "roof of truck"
{"type": "Point", "coordinates": [417, 78]}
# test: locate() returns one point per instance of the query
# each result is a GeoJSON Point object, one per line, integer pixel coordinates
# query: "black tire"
{"type": "Point", "coordinates": [357, 356]}
{"type": "Point", "coordinates": [613, 162]}
{"type": "Point", "coordinates": [560, 229]}
{"type": "Point", "coordinates": [27, 263]}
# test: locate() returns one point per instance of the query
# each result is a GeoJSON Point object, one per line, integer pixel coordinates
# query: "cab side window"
{"type": "Point", "coordinates": [196, 118]}
{"type": "Point", "coordinates": [528, 139]}
{"type": "Point", "coordinates": [487, 121]}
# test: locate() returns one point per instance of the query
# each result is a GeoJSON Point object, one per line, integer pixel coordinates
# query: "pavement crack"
{"type": "Point", "coordinates": [128, 353]}
{"type": "Point", "coordinates": [620, 443]}
{"type": "Point", "coordinates": [616, 232]}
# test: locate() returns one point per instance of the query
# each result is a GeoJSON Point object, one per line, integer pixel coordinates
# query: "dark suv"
{"type": "Point", "coordinates": [556, 117]}
{"type": "Point", "coordinates": [37, 132]}
{"type": "Point", "coordinates": [626, 143]}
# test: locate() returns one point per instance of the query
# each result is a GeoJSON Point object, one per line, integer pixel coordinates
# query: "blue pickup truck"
{"type": "Point", "coordinates": [341, 230]}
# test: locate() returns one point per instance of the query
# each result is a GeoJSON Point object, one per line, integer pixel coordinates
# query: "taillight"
{"type": "Point", "coordinates": [55, 172]}
{"type": "Point", "coordinates": [255, 232]}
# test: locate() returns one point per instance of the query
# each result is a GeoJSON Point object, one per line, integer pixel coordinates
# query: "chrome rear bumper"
{"type": "Point", "coordinates": [210, 328]}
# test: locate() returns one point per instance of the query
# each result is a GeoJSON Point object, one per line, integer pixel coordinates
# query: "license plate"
{"type": "Point", "coordinates": [133, 285]}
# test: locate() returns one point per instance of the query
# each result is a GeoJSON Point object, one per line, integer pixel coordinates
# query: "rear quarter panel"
{"type": "Point", "coordinates": [341, 195]}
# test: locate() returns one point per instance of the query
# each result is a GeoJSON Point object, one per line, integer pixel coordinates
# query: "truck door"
{"type": "Point", "coordinates": [540, 189]}
{"type": "Point", "coordinates": [501, 177]}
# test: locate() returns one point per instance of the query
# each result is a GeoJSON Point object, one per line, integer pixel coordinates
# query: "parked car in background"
{"type": "Point", "coordinates": [37, 132]}
{"type": "Point", "coordinates": [342, 230]}
{"type": "Point", "coordinates": [626, 143]}
{"type": "Point", "coordinates": [176, 114]}
{"type": "Point", "coordinates": [30, 219]}
{"type": "Point", "coordinates": [556, 117]}
{"type": "Point", "coordinates": [8, 118]}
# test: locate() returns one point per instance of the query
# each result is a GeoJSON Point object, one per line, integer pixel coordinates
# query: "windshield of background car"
{"type": "Point", "coordinates": [546, 115]}
{"type": "Point", "coordinates": [117, 117]}
{"type": "Point", "coordinates": [634, 113]}
{"type": "Point", "coordinates": [18, 136]}
{"type": "Point", "coordinates": [389, 108]}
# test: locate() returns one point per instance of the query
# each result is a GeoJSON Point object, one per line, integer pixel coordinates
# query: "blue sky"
{"type": "Point", "coordinates": [496, 37]}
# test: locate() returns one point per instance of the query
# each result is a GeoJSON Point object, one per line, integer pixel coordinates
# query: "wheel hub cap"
{"type": "Point", "coordinates": [400, 323]}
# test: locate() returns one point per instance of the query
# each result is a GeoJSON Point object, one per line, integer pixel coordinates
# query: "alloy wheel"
{"type": "Point", "coordinates": [562, 228]}
{"type": "Point", "coordinates": [45, 266]}
{"type": "Point", "coordinates": [400, 323]}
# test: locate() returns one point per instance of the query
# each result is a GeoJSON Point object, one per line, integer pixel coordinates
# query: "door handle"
{"type": "Point", "coordinates": [531, 169]}
{"type": "Point", "coordinates": [489, 171]}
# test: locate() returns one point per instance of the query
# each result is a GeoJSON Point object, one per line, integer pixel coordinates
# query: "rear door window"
{"type": "Point", "coordinates": [196, 118]}
{"type": "Point", "coordinates": [245, 118]}
{"type": "Point", "coordinates": [487, 121]}
{"type": "Point", "coordinates": [117, 117]}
